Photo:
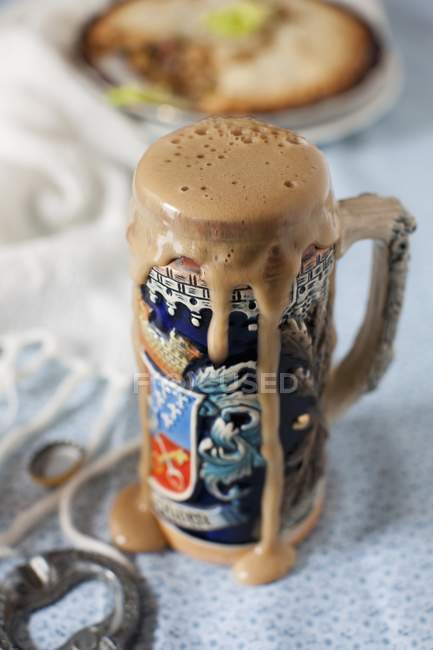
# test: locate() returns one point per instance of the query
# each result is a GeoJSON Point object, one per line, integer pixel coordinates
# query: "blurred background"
{"type": "Point", "coordinates": [85, 86]}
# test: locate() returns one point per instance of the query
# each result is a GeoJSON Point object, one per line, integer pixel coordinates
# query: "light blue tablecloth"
{"type": "Point", "coordinates": [364, 579]}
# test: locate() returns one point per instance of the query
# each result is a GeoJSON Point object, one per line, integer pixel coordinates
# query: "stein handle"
{"type": "Point", "coordinates": [385, 221]}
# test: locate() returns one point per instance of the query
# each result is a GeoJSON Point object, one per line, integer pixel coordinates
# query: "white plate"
{"type": "Point", "coordinates": [324, 122]}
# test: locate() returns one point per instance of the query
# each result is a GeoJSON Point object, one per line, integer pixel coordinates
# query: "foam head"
{"type": "Point", "coordinates": [232, 177]}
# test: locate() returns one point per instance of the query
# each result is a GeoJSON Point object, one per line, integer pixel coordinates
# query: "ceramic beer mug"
{"type": "Point", "coordinates": [234, 238]}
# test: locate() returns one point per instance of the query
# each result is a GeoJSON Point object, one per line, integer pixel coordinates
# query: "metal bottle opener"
{"type": "Point", "coordinates": [46, 578]}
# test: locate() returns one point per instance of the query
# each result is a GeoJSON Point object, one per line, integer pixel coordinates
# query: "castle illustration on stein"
{"type": "Point", "coordinates": [207, 470]}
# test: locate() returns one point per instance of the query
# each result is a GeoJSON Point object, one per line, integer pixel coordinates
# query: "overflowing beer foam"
{"type": "Point", "coordinates": [223, 177]}
{"type": "Point", "coordinates": [243, 199]}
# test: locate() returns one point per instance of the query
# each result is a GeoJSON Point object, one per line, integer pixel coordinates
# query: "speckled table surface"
{"type": "Point", "coordinates": [364, 579]}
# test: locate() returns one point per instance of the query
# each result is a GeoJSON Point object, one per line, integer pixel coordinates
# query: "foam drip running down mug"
{"type": "Point", "coordinates": [234, 237]}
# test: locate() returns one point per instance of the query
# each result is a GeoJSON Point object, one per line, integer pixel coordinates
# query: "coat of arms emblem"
{"type": "Point", "coordinates": [173, 430]}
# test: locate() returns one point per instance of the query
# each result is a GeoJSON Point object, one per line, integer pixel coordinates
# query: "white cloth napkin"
{"type": "Point", "coordinates": [66, 163]}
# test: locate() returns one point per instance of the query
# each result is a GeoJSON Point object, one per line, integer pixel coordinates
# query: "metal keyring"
{"type": "Point", "coordinates": [72, 456]}
{"type": "Point", "coordinates": [46, 578]}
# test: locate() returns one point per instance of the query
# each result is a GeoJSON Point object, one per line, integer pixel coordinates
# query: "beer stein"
{"type": "Point", "coordinates": [234, 238]}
